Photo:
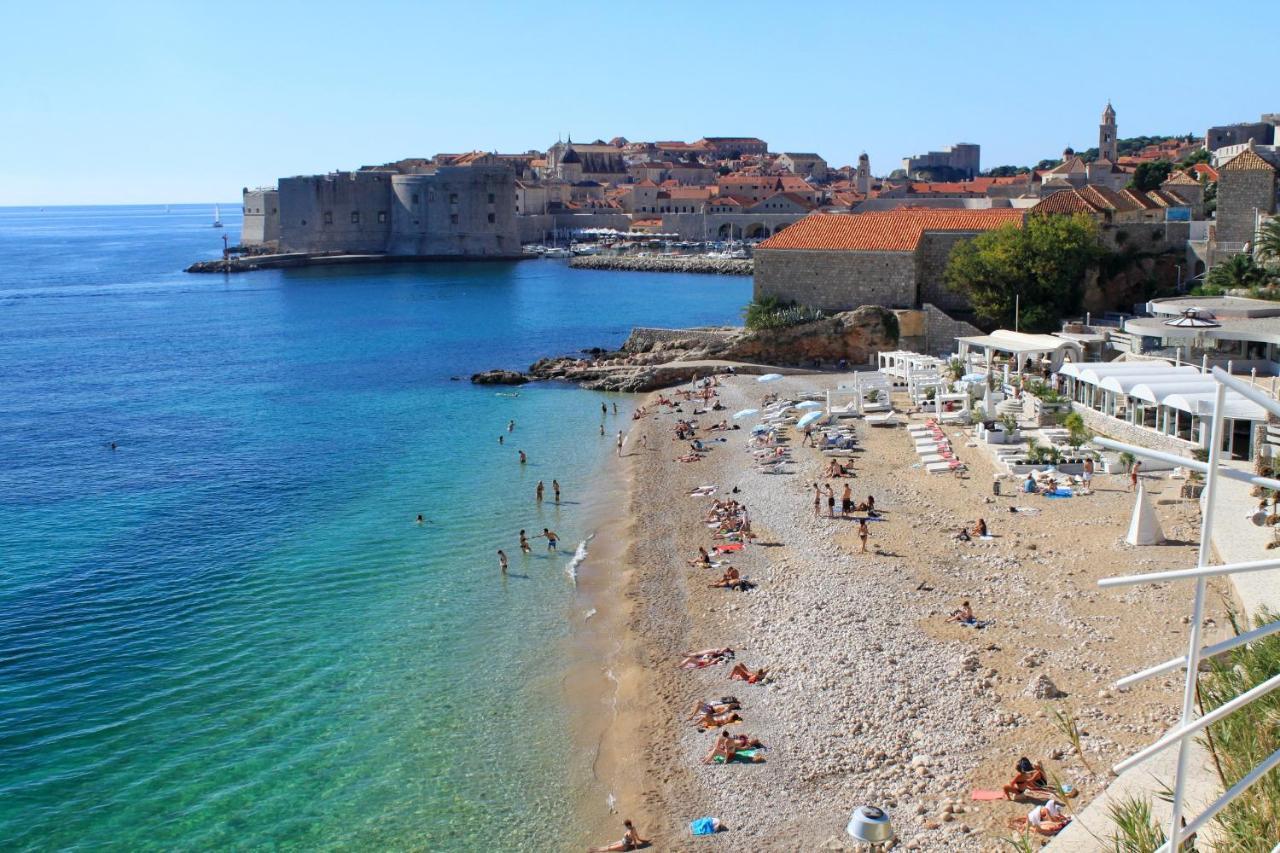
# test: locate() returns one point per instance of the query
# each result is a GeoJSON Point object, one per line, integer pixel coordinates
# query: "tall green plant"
{"type": "Point", "coordinates": [1136, 830]}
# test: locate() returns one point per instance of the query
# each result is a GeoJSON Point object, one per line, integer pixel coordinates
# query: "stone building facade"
{"type": "Point", "coordinates": [1246, 187]}
{"type": "Point", "coordinates": [446, 211]}
{"type": "Point", "coordinates": [964, 157]}
{"type": "Point", "coordinates": [894, 259]}
{"type": "Point", "coordinates": [1262, 132]}
{"type": "Point", "coordinates": [261, 226]}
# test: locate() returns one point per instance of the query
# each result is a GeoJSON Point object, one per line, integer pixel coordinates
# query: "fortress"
{"type": "Point", "coordinates": [411, 208]}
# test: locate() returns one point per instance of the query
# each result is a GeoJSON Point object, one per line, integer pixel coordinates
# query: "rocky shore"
{"type": "Point", "coordinates": [648, 361]}
{"type": "Point", "coordinates": [675, 263]}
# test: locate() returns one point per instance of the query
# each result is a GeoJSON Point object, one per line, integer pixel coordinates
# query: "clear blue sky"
{"type": "Point", "coordinates": [182, 101]}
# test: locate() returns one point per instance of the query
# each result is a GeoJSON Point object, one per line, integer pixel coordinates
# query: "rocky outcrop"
{"type": "Point", "coordinates": [649, 361]}
{"type": "Point", "coordinates": [852, 336]}
{"type": "Point", "coordinates": [673, 263]}
{"type": "Point", "coordinates": [500, 377]}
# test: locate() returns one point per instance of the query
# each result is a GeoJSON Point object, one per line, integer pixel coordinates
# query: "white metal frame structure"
{"type": "Point", "coordinates": [1189, 725]}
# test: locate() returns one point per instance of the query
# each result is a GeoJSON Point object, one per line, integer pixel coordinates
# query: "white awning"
{"type": "Point", "coordinates": [1200, 403]}
{"type": "Point", "coordinates": [1123, 383]}
{"type": "Point", "coordinates": [1155, 392]}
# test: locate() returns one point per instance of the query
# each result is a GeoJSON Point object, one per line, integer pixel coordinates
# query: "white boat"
{"type": "Point", "coordinates": [557, 252]}
{"type": "Point", "coordinates": [217, 217]}
{"type": "Point", "coordinates": [585, 249]}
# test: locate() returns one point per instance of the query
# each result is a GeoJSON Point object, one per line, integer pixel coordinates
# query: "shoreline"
{"type": "Point", "coordinates": [874, 697]}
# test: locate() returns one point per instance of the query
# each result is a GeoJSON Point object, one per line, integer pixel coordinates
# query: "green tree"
{"type": "Point", "coordinates": [1006, 171]}
{"type": "Point", "coordinates": [1267, 248]}
{"type": "Point", "coordinates": [1200, 155]}
{"type": "Point", "coordinates": [1042, 265]}
{"type": "Point", "coordinates": [1237, 272]}
{"type": "Point", "coordinates": [1149, 176]}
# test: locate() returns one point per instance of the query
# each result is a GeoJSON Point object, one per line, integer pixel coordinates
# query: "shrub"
{"type": "Point", "coordinates": [770, 313]}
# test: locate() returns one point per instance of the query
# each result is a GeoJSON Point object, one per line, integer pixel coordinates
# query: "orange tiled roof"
{"type": "Point", "coordinates": [885, 231]}
{"type": "Point", "coordinates": [1180, 179]}
{"type": "Point", "coordinates": [1247, 160]}
{"type": "Point", "coordinates": [1206, 170]}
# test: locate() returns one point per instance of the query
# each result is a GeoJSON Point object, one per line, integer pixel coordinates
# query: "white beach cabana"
{"type": "Point", "coordinates": [1020, 347]}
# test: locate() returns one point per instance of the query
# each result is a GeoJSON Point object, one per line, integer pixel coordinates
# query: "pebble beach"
{"type": "Point", "coordinates": [872, 696]}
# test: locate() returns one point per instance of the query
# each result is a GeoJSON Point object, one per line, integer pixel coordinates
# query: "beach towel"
{"type": "Point", "coordinates": [724, 549]}
{"type": "Point", "coordinates": [704, 826]}
{"type": "Point", "coordinates": [748, 754]}
{"type": "Point", "coordinates": [981, 794]}
{"type": "Point", "coordinates": [1060, 493]}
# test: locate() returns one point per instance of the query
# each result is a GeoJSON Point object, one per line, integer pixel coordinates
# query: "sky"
{"type": "Point", "coordinates": [176, 101]}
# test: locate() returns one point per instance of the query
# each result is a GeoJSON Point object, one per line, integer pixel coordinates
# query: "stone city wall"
{"type": "Point", "coordinates": [642, 338]}
{"type": "Point", "coordinates": [339, 212]}
{"type": "Point", "coordinates": [836, 281]}
{"type": "Point", "coordinates": [932, 255]}
{"type": "Point", "coordinates": [941, 331]}
{"type": "Point", "coordinates": [1131, 434]}
{"type": "Point", "coordinates": [1240, 193]}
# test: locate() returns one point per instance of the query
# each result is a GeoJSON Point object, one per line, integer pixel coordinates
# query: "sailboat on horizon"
{"type": "Point", "coordinates": [217, 217]}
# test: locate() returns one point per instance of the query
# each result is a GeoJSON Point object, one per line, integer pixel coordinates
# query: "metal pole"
{"type": "Point", "coordinates": [1194, 646]}
{"type": "Point", "coordinates": [1017, 309]}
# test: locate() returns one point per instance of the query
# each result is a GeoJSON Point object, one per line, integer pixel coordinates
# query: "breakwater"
{"type": "Point", "coordinates": [672, 263]}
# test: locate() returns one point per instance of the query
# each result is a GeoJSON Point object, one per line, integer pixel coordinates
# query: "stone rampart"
{"type": "Point", "coordinates": [941, 331]}
{"type": "Point", "coordinates": [835, 280]}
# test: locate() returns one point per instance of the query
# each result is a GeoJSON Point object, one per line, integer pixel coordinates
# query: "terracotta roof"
{"type": "Point", "coordinates": [1064, 201]}
{"type": "Point", "coordinates": [1206, 170]}
{"type": "Point", "coordinates": [885, 231]}
{"type": "Point", "coordinates": [803, 155]}
{"type": "Point", "coordinates": [1180, 179]}
{"type": "Point", "coordinates": [792, 183]}
{"type": "Point", "coordinates": [1074, 165]}
{"type": "Point", "coordinates": [1247, 160]}
{"type": "Point", "coordinates": [646, 183]}
{"type": "Point", "coordinates": [1106, 198]}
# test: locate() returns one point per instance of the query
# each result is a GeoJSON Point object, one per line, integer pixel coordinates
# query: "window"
{"type": "Point", "coordinates": [453, 198]}
{"type": "Point", "coordinates": [453, 219]}
{"type": "Point", "coordinates": [328, 217]}
{"type": "Point", "coordinates": [355, 217]}
{"type": "Point", "coordinates": [382, 217]}
{"type": "Point", "coordinates": [492, 219]}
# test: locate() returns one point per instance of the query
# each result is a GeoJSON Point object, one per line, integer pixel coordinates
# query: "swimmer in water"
{"type": "Point", "coordinates": [524, 543]}
{"type": "Point", "coordinates": [501, 439]}
{"type": "Point", "coordinates": [551, 538]}
{"type": "Point", "coordinates": [511, 426]}
{"type": "Point", "coordinates": [555, 488]}
{"type": "Point", "coordinates": [419, 518]}
{"type": "Point", "coordinates": [523, 458]}
{"type": "Point", "coordinates": [502, 561]}
{"type": "Point", "coordinates": [538, 492]}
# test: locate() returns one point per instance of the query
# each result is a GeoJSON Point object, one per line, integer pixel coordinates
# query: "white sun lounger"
{"type": "Point", "coordinates": [932, 459]}
{"type": "Point", "coordinates": [886, 419]}
{"type": "Point", "coordinates": [943, 467]}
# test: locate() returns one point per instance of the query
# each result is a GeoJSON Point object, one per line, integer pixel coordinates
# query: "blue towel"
{"type": "Point", "coordinates": [703, 826]}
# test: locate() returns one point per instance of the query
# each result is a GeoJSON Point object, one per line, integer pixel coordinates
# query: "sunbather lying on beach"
{"type": "Point", "coordinates": [631, 840]}
{"type": "Point", "coordinates": [703, 559]}
{"type": "Point", "coordinates": [732, 580]}
{"type": "Point", "coordinates": [1048, 819]}
{"type": "Point", "coordinates": [709, 718]}
{"type": "Point", "coordinates": [964, 613]}
{"type": "Point", "coordinates": [1029, 777]}
{"type": "Point", "coordinates": [741, 673]}
{"type": "Point", "coordinates": [723, 705]}
{"type": "Point", "coordinates": [705, 658]}
{"type": "Point", "coordinates": [689, 457]}
{"type": "Point", "coordinates": [727, 746]}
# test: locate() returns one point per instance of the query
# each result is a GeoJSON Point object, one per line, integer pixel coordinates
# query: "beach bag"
{"type": "Point", "coordinates": [705, 826]}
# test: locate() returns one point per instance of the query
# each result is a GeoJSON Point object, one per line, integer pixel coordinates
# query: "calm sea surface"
{"type": "Point", "coordinates": [229, 631]}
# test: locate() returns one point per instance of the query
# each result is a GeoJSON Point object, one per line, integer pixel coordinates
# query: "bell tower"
{"type": "Point", "coordinates": [862, 178]}
{"type": "Point", "coordinates": [1107, 135]}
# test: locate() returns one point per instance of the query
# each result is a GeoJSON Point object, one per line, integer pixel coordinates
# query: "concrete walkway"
{"type": "Point", "coordinates": [1236, 539]}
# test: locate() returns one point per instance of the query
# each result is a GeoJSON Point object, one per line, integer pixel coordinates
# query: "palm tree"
{"type": "Point", "coordinates": [1267, 247]}
{"type": "Point", "coordinates": [1238, 272]}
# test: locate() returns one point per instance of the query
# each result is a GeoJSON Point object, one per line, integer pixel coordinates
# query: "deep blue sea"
{"type": "Point", "coordinates": [230, 632]}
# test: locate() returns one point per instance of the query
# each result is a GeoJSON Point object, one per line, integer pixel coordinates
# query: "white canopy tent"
{"type": "Point", "coordinates": [1020, 347]}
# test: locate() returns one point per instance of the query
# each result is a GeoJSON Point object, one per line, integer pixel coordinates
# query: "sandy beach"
{"type": "Point", "coordinates": [872, 696]}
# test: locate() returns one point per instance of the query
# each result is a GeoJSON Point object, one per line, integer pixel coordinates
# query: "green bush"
{"type": "Point", "coordinates": [771, 313]}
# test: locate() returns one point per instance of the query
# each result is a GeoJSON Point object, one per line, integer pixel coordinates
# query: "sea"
{"type": "Point", "coordinates": [221, 625]}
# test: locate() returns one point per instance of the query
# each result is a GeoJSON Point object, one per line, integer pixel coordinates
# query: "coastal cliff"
{"type": "Point", "coordinates": [659, 358]}
{"type": "Point", "coordinates": [669, 263]}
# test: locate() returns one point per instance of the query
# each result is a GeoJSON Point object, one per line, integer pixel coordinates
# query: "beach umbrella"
{"type": "Point", "coordinates": [808, 419]}
{"type": "Point", "coordinates": [769, 377]}
{"type": "Point", "coordinates": [759, 428]}
{"type": "Point", "coordinates": [809, 404]}
{"type": "Point", "coordinates": [744, 413]}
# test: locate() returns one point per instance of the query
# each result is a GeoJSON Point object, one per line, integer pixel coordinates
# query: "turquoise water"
{"type": "Point", "coordinates": [229, 631]}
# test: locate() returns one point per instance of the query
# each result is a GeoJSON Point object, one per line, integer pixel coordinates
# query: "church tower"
{"type": "Point", "coordinates": [862, 178]}
{"type": "Point", "coordinates": [1107, 135]}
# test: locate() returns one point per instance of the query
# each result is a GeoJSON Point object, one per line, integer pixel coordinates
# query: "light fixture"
{"type": "Point", "coordinates": [870, 825]}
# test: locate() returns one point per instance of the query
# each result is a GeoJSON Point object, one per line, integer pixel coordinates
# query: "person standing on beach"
{"type": "Point", "coordinates": [831, 501]}
{"type": "Point", "coordinates": [846, 501]}
{"type": "Point", "coordinates": [538, 492]}
{"type": "Point", "coordinates": [619, 442]}
{"type": "Point", "coordinates": [524, 543]}
{"type": "Point", "coordinates": [817, 499]}
{"type": "Point", "coordinates": [555, 489]}
{"type": "Point", "coordinates": [523, 458]}
{"type": "Point", "coordinates": [1134, 470]}
{"type": "Point", "coordinates": [502, 561]}
{"type": "Point", "coordinates": [863, 533]}
{"type": "Point", "coordinates": [551, 538]}
{"type": "Point", "coordinates": [1087, 473]}
{"type": "Point", "coordinates": [644, 441]}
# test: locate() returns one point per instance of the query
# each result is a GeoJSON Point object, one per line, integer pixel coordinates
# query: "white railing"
{"type": "Point", "coordinates": [1189, 726]}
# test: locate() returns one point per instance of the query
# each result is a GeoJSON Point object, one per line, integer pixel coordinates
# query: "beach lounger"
{"type": "Point", "coordinates": [932, 459]}
{"type": "Point", "coordinates": [882, 420]}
